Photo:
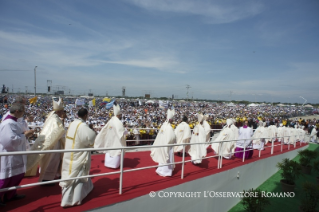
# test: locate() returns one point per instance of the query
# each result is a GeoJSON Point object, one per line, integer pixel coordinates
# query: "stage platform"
{"type": "Point", "coordinates": [137, 185]}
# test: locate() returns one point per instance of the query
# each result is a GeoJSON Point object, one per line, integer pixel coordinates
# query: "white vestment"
{"type": "Point", "coordinates": [12, 139]}
{"type": "Point", "coordinates": [244, 138]}
{"type": "Point", "coordinates": [199, 151]}
{"type": "Point", "coordinates": [77, 164]}
{"type": "Point", "coordinates": [259, 138]}
{"type": "Point", "coordinates": [50, 138]}
{"type": "Point", "coordinates": [164, 155]}
{"type": "Point", "coordinates": [313, 135]}
{"type": "Point", "coordinates": [286, 134]}
{"type": "Point", "coordinates": [112, 135]}
{"type": "Point", "coordinates": [272, 132]}
{"type": "Point", "coordinates": [23, 125]}
{"type": "Point", "coordinates": [226, 148]}
{"type": "Point", "coordinates": [207, 129]}
{"type": "Point", "coordinates": [183, 136]}
{"type": "Point", "coordinates": [293, 133]}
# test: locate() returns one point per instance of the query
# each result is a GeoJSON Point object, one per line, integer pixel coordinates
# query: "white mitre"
{"type": "Point", "coordinates": [58, 105]}
{"type": "Point", "coordinates": [200, 117]}
{"type": "Point", "coordinates": [229, 122]}
{"type": "Point", "coordinates": [170, 114]}
{"type": "Point", "coordinates": [116, 110]}
{"type": "Point", "coordinates": [205, 117]}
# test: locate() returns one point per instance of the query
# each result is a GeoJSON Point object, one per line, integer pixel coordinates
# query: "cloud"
{"type": "Point", "coordinates": [213, 12]}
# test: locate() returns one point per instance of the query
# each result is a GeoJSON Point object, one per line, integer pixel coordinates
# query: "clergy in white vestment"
{"type": "Point", "coordinates": [165, 155]}
{"type": "Point", "coordinates": [112, 135]}
{"type": "Point", "coordinates": [280, 133]}
{"type": "Point", "coordinates": [302, 134]}
{"type": "Point", "coordinates": [244, 142]}
{"type": "Point", "coordinates": [272, 133]}
{"type": "Point", "coordinates": [207, 129]}
{"type": "Point", "coordinates": [313, 135]}
{"type": "Point", "coordinates": [51, 137]}
{"type": "Point", "coordinates": [292, 138]}
{"type": "Point", "coordinates": [226, 148]}
{"type": "Point", "coordinates": [77, 164]}
{"type": "Point", "coordinates": [13, 167]}
{"type": "Point", "coordinates": [259, 136]}
{"type": "Point", "coordinates": [21, 121]}
{"type": "Point", "coordinates": [183, 136]}
{"type": "Point", "coordinates": [198, 151]}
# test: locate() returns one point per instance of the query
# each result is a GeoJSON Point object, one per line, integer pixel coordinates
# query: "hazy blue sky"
{"type": "Point", "coordinates": [264, 50]}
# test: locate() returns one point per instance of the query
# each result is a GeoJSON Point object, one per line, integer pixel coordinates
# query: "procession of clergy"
{"type": "Point", "coordinates": [53, 136]}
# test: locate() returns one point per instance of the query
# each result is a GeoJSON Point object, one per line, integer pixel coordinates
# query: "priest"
{"type": "Point", "coordinates": [183, 136]}
{"type": "Point", "coordinates": [198, 151]}
{"type": "Point", "coordinates": [13, 167]}
{"type": "Point", "coordinates": [77, 164]}
{"type": "Point", "coordinates": [244, 143]}
{"type": "Point", "coordinates": [112, 135]}
{"type": "Point", "coordinates": [51, 138]}
{"type": "Point", "coordinates": [165, 155]}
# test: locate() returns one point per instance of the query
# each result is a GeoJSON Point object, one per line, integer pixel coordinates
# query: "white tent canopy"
{"type": "Point", "coordinates": [281, 105]}
{"type": "Point", "coordinates": [308, 106]}
{"type": "Point", "coordinates": [252, 105]}
{"type": "Point", "coordinates": [231, 105]}
{"type": "Point", "coordinates": [150, 102]}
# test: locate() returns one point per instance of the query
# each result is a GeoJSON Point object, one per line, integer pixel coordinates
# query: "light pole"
{"type": "Point", "coordinates": [35, 81]}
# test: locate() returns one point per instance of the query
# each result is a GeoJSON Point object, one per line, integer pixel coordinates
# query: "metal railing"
{"type": "Point", "coordinates": [219, 155]}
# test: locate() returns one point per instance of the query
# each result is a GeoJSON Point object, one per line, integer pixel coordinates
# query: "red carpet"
{"type": "Point", "coordinates": [135, 184]}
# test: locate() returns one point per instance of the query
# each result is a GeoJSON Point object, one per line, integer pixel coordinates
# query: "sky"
{"type": "Point", "coordinates": [224, 50]}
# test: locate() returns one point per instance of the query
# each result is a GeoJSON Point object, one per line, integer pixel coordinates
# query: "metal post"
{"type": "Point", "coordinates": [282, 141]}
{"type": "Point", "coordinates": [295, 141]}
{"type": "Point", "coordinates": [289, 143]}
{"type": "Point", "coordinates": [221, 156]}
{"type": "Point", "coordinates": [182, 176]}
{"type": "Point", "coordinates": [121, 175]}
{"type": "Point", "coordinates": [244, 153]}
{"type": "Point", "coordinates": [272, 146]}
{"type": "Point", "coordinates": [35, 81]}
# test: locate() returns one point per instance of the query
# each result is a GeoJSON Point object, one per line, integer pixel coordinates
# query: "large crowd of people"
{"type": "Point", "coordinates": [50, 124]}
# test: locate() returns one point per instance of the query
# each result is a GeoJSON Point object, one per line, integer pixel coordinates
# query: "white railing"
{"type": "Point", "coordinates": [219, 155]}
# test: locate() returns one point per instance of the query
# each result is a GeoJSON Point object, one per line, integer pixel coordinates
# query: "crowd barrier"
{"type": "Point", "coordinates": [219, 163]}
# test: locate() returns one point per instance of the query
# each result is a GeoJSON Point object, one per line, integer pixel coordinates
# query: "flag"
{"type": "Point", "coordinates": [139, 102]}
{"type": "Point", "coordinates": [110, 105]}
{"type": "Point", "coordinates": [106, 99]}
{"type": "Point", "coordinates": [93, 102]}
{"type": "Point", "coordinates": [33, 100]}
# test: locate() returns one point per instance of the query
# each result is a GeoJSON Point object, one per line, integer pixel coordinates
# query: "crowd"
{"type": "Point", "coordinates": [60, 124]}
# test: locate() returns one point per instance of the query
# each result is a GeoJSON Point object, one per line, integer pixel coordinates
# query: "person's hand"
{"type": "Point", "coordinates": [28, 133]}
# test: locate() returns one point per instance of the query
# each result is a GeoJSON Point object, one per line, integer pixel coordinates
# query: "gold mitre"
{"type": "Point", "coordinates": [58, 105]}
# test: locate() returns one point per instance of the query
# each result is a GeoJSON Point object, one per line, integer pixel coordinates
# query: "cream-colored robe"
{"type": "Point", "coordinates": [183, 136]}
{"type": "Point", "coordinates": [198, 151]}
{"type": "Point", "coordinates": [50, 138]}
{"type": "Point", "coordinates": [77, 164]}
{"type": "Point", "coordinates": [164, 155]}
{"type": "Point", "coordinates": [227, 148]}
{"type": "Point", "coordinates": [112, 135]}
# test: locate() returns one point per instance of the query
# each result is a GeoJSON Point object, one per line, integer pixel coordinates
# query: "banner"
{"type": "Point", "coordinates": [79, 102]}
{"type": "Point", "coordinates": [33, 100]}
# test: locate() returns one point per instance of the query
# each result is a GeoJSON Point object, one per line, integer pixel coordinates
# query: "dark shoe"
{"type": "Point", "coordinates": [16, 197]}
{"type": "Point", "coordinates": [2, 204]}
